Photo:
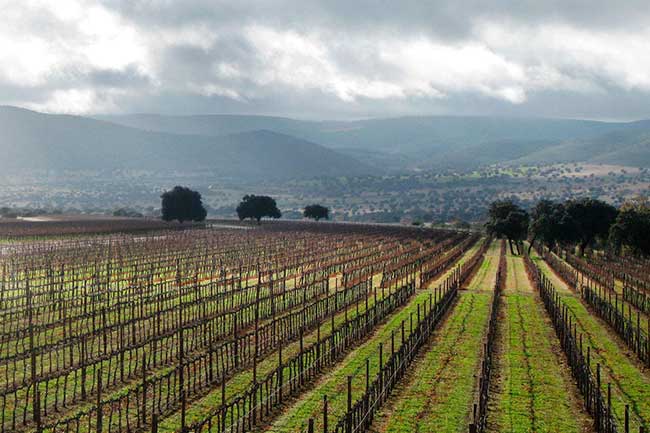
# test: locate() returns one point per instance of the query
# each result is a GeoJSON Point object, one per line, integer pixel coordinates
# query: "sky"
{"type": "Point", "coordinates": [329, 59]}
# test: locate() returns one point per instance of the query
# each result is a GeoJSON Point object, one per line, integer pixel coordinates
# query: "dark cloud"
{"type": "Point", "coordinates": [331, 58]}
{"type": "Point", "coordinates": [129, 77]}
{"type": "Point", "coordinates": [442, 18]}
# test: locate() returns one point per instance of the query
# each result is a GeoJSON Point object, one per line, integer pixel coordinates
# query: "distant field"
{"type": "Point", "coordinates": [67, 225]}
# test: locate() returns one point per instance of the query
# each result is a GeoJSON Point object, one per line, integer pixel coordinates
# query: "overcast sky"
{"type": "Point", "coordinates": [329, 58]}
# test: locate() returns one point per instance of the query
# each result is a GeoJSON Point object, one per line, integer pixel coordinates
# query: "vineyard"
{"type": "Point", "coordinates": [316, 327]}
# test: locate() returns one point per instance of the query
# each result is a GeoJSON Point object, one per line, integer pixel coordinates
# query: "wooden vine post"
{"type": "Point", "coordinates": [349, 412]}
{"type": "Point", "coordinates": [325, 417]}
{"type": "Point", "coordinates": [99, 401]}
{"type": "Point", "coordinates": [32, 350]}
{"type": "Point", "coordinates": [181, 354]}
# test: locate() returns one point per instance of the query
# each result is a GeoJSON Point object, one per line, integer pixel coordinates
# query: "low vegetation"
{"type": "Point", "coordinates": [190, 330]}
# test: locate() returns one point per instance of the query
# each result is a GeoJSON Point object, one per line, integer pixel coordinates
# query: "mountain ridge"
{"type": "Point", "coordinates": [252, 145]}
{"type": "Point", "coordinates": [37, 140]}
{"type": "Point", "coordinates": [421, 142]}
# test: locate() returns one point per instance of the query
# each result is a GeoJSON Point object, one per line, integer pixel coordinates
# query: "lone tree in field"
{"type": "Point", "coordinates": [316, 212]}
{"type": "Point", "coordinates": [508, 220]}
{"type": "Point", "coordinates": [182, 204]}
{"type": "Point", "coordinates": [591, 219]}
{"type": "Point", "coordinates": [256, 207]}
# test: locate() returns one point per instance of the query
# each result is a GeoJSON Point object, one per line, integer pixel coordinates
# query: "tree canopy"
{"type": "Point", "coordinates": [549, 223]}
{"type": "Point", "coordinates": [631, 229]}
{"type": "Point", "coordinates": [506, 219]}
{"type": "Point", "coordinates": [590, 219]}
{"type": "Point", "coordinates": [584, 222]}
{"type": "Point", "coordinates": [182, 204]}
{"type": "Point", "coordinates": [316, 211]}
{"type": "Point", "coordinates": [257, 207]}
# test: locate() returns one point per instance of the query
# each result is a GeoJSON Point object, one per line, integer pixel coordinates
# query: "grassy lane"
{"type": "Point", "coordinates": [620, 367]}
{"type": "Point", "coordinates": [531, 385]}
{"type": "Point", "coordinates": [487, 273]}
{"type": "Point", "coordinates": [334, 383]}
{"type": "Point", "coordinates": [438, 392]}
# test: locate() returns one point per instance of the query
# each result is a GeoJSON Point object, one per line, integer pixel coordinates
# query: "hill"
{"type": "Point", "coordinates": [210, 125]}
{"type": "Point", "coordinates": [629, 146]}
{"type": "Point", "coordinates": [426, 142]}
{"type": "Point", "coordinates": [252, 146]}
{"type": "Point", "coordinates": [32, 140]}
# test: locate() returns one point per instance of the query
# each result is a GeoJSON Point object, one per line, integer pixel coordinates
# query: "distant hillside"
{"type": "Point", "coordinates": [222, 124]}
{"type": "Point", "coordinates": [428, 141]}
{"type": "Point", "coordinates": [488, 153]}
{"type": "Point", "coordinates": [628, 146]}
{"type": "Point", "coordinates": [258, 147]}
{"type": "Point", "coordinates": [448, 133]}
{"type": "Point", "coordinates": [34, 140]}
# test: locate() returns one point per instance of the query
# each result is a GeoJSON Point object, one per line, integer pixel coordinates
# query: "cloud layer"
{"type": "Point", "coordinates": [328, 59]}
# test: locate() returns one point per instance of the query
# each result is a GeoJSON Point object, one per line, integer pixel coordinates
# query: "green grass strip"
{"type": "Point", "coordinates": [630, 382]}
{"type": "Point", "coordinates": [533, 393]}
{"type": "Point", "coordinates": [334, 384]}
{"type": "Point", "coordinates": [438, 394]}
